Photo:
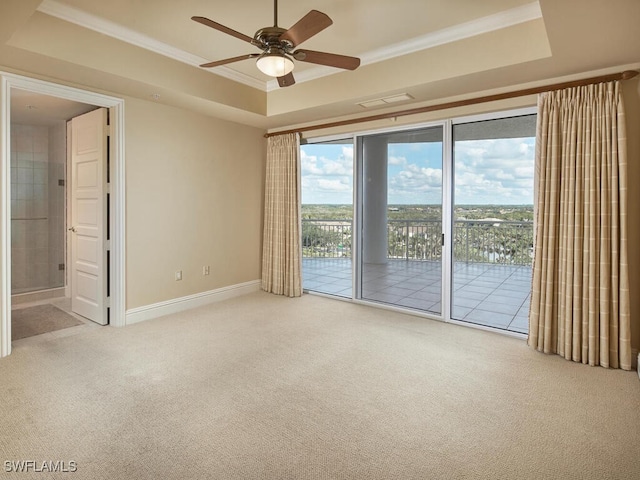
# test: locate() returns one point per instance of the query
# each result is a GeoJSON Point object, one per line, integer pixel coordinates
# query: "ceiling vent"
{"type": "Point", "coordinates": [379, 102]}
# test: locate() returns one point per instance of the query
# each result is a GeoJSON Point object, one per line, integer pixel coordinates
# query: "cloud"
{"type": "Point", "coordinates": [314, 165]}
{"type": "Point", "coordinates": [327, 174]}
{"type": "Point", "coordinates": [402, 161]}
{"type": "Point", "coordinates": [309, 164]}
{"type": "Point", "coordinates": [334, 185]}
{"type": "Point", "coordinates": [485, 171]}
{"type": "Point", "coordinates": [418, 178]}
{"type": "Point", "coordinates": [415, 184]}
{"type": "Point", "coordinates": [347, 152]}
{"type": "Point", "coordinates": [494, 171]}
{"type": "Point", "coordinates": [494, 152]}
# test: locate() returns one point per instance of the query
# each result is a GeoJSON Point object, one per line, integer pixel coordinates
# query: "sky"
{"type": "Point", "coordinates": [485, 172]}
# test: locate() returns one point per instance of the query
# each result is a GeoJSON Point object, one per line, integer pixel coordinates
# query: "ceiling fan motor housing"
{"type": "Point", "coordinates": [269, 37]}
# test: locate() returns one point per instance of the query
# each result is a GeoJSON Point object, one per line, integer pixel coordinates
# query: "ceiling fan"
{"type": "Point", "coordinates": [278, 44]}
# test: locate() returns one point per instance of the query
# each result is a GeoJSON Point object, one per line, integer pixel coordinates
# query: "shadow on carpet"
{"type": "Point", "coordinates": [30, 321]}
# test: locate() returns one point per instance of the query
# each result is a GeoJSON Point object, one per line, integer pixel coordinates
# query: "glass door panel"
{"type": "Point", "coordinates": [493, 166]}
{"type": "Point", "coordinates": [327, 217]}
{"type": "Point", "coordinates": [401, 205]}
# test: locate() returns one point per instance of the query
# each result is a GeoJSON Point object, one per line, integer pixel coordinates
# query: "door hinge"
{"type": "Point", "coordinates": [107, 244]}
{"type": "Point", "coordinates": [443, 239]}
{"type": "Point", "coordinates": [108, 302]}
{"type": "Point", "coordinates": [108, 188]}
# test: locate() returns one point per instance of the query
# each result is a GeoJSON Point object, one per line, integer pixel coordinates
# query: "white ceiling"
{"type": "Point", "coordinates": [373, 30]}
{"type": "Point", "coordinates": [429, 49]}
{"type": "Point", "coordinates": [28, 108]}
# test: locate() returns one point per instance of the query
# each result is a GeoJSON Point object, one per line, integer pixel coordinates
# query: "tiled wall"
{"type": "Point", "coordinates": [57, 203]}
{"type": "Point", "coordinates": [37, 207]}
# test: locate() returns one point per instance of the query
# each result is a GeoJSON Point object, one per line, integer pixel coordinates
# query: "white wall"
{"type": "Point", "coordinates": [194, 187]}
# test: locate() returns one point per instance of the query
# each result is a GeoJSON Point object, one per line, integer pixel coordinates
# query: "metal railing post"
{"type": "Point", "coordinates": [407, 242]}
{"type": "Point", "coordinates": [466, 235]}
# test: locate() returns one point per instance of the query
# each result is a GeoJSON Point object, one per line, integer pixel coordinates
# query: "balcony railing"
{"type": "Point", "coordinates": [490, 241]}
{"type": "Point", "coordinates": [414, 239]}
{"type": "Point", "coordinates": [475, 241]}
{"type": "Point", "coordinates": [326, 238]}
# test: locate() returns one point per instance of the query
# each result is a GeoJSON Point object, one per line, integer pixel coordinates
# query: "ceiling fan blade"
{"type": "Point", "coordinates": [230, 60]}
{"type": "Point", "coordinates": [312, 23]}
{"type": "Point", "coordinates": [329, 59]}
{"type": "Point", "coordinates": [287, 80]}
{"type": "Point", "coordinates": [222, 28]}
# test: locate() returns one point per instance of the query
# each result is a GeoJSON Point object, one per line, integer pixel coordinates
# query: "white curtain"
{"type": "Point", "coordinates": [281, 249]}
{"type": "Point", "coordinates": [580, 289]}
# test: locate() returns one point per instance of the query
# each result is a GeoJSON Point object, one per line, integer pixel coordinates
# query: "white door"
{"type": "Point", "coordinates": [89, 216]}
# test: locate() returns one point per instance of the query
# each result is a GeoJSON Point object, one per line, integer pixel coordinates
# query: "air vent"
{"type": "Point", "coordinates": [379, 102]}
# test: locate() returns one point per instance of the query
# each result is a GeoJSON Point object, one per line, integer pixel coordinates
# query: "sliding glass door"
{"type": "Point", "coordinates": [442, 224]}
{"type": "Point", "coordinates": [401, 218]}
{"type": "Point", "coordinates": [493, 165]}
{"type": "Point", "coordinates": [327, 217]}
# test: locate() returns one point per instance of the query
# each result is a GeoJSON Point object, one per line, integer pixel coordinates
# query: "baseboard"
{"type": "Point", "coordinates": [160, 309]}
{"type": "Point", "coordinates": [37, 295]}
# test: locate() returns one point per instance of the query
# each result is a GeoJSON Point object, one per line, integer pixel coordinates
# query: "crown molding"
{"type": "Point", "coordinates": [114, 30]}
{"type": "Point", "coordinates": [490, 23]}
{"type": "Point", "coordinates": [497, 21]}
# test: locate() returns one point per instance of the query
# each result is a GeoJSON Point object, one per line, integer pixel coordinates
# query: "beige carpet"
{"type": "Point", "coordinates": [265, 387]}
{"type": "Point", "coordinates": [39, 319]}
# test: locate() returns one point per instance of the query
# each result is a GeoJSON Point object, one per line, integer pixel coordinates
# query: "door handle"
{"type": "Point", "coordinates": [72, 229]}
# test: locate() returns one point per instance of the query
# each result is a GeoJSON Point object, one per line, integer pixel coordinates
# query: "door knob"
{"type": "Point", "coordinates": [72, 229]}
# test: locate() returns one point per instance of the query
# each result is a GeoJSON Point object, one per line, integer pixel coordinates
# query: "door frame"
{"type": "Point", "coordinates": [445, 125]}
{"type": "Point", "coordinates": [116, 190]}
{"type": "Point", "coordinates": [448, 203]}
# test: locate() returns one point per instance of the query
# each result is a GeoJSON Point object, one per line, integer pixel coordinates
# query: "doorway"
{"type": "Point", "coordinates": [442, 223]}
{"type": "Point", "coordinates": [13, 83]}
{"type": "Point", "coordinates": [327, 216]}
{"type": "Point", "coordinates": [401, 205]}
{"type": "Point", "coordinates": [492, 251]}
{"type": "Point", "coordinates": [39, 184]}
{"type": "Point", "coordinates": [44, 202]}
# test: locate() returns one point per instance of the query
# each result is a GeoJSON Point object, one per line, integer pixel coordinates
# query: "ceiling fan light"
{"type": "Point", "coordinates": [274, 64]}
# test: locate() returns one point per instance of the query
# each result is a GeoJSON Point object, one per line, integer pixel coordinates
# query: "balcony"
{"type": "Point", "coordinates": [491, 268]}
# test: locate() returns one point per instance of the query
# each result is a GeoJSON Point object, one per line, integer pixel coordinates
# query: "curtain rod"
{"type": "Point", "coordinates": [626, 75]}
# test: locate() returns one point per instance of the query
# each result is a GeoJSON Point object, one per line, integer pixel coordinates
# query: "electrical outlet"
{"type": "Point", "coordinates": [178, 275]}
{"type": "Point", "coordinates": [205, 270]}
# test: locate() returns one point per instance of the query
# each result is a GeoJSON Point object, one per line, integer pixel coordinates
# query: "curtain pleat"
{"type": "Point", "coordinates": [281, 248]}
{"type": "Point", "coordinates": [580, 293]}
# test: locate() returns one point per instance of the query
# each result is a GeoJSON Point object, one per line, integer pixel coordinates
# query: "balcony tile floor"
{"type": "Point", "coordinates": [485, 294]}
